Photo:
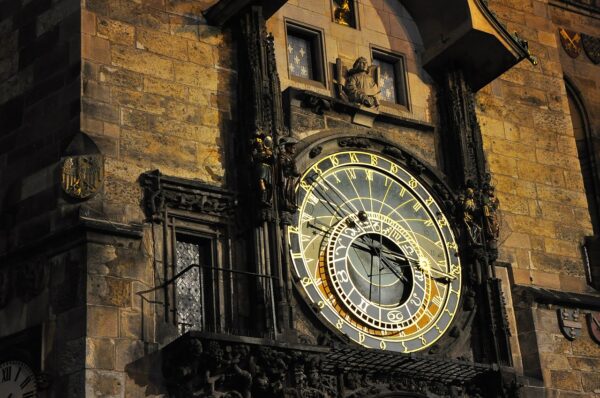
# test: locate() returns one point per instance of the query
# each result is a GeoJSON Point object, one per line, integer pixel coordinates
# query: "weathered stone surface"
{"type": "Point", "coordinates": [565, 380]}
{"type": "Point", "coordinates": [100, 353]}
{"type": "Point", "coordinates": [105, 384]}
{"type": "Point", "coordinates": [102, 321]}
{"type": "Point", "coordinates": [104, 290]}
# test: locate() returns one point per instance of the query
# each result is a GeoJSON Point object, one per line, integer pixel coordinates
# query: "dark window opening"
{"type": "Point", "coordinates": [344, 13]}
{"type": "Point", "coordinates": [305, 53]}
{"type": "Point", "coordinates": [392, 78]}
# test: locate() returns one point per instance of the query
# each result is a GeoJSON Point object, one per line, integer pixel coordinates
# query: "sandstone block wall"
{"type": "Point", "coordinates": [528, 137]}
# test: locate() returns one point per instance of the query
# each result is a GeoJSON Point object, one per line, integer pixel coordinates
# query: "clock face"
{"type": "Point", "coordinates": [374, 252]}
{"type": "Point", "coordinates": [17, 380]}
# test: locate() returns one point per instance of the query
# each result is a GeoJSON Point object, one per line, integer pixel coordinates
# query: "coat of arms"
{"type": "Point", "coordinates": [593, 321]}
{"type": "Point", "coordinates": [568, 322]}
{"type": "Point", "coordinates": [571, 42]}
{"type": "Point", "coordinates": [82, 176]}
{"type": "Point", "coordinates": [591, 45]}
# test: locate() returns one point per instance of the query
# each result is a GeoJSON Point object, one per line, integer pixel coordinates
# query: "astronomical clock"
{"type": "Point", "coordinates": [373, 250]}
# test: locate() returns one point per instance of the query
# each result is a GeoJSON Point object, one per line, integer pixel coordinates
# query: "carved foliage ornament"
{"type": "Point", "coordinates": [163, 192]}
{"type": "Point", "coordinates": [199, 367]}
{"type": "Point", "coordinates": [82, 176]}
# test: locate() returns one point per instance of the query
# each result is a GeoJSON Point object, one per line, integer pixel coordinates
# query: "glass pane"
{"type": "Point", "coordinates": [189, 304]}
{"type": "Point", "coordinates": [387, 80]}
{"type": "Point", "coordinates": [300, 57]}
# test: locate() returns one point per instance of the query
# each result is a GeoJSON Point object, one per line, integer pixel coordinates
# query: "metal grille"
{"type": "Point", "coordinates": [390, 363]}
{"type": "Point", "coordinates": [187, 287]}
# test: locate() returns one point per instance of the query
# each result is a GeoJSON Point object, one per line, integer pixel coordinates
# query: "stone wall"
{"type": "Point", "coordinates": [157, 86]}
{"type": "Point", "coordinates": [39, 109]}
{"type": "Point", "coordinates": [157, 93]}
{"type": "Point", "coordinates": [528, 137]}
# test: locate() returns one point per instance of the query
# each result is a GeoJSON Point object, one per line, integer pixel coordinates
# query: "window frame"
{"type": "Point", "coordinates": [182, 224]}
{"type": "Point", "coordinates": [398, 61]}
{"type": "Point", "coordinates": [318, 56]}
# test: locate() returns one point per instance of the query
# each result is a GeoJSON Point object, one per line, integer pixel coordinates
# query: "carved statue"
{"type": "Point", "coordinates": [490, 204]}
{"type": "Point", "coordinates": [288, 173]}
{"type": "Point", "coordinates": [469, 209]}
{"type": "Point", "coordinates": [362, 84]}
{"type": "Point", "coordinates": [262, 157]}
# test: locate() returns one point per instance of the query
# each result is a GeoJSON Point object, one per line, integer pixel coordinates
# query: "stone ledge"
{"type": "Point", "coordinates": [540, 295]}
{"type": "Point", "coordinates": [318, 103]}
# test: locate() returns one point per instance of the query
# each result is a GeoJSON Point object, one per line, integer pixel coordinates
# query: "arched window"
{"type": "Point", "coordinates": [586, 152]}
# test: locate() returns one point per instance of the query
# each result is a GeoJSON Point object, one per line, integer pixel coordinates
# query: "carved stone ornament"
{"type": "Point", "coordinates": [82, 176]}
{"type": "Point", "coordinates": [288, 173]}
{"type": "Point", "coordinates": [161, 192]}
{"type": "Point", "coordinates": [593, 322]}
{"type": "Point", "coordinates": [591, 45]}
{"type": "Point", "coordinates": [207, 366]}
{"type": "Point", "coordinates": [571, 42]}
{"type": "Point", "coordinates": [263, 160]}
{"type": "Point", "coordinates": [362, 84]}
{"type": "Point", "coordinates": [569, 323]}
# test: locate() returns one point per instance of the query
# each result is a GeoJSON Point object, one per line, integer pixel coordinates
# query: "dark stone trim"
{"type": "Point", "coordinates": [161, 192]}
{"type": "Point", "coordinates": [132, 231]}
{"type": "Point", "coordinates": [529, 294]}
{"type": "Point", "coordinates": [71, 235]}
{"type": "Point", "coordinates": [227, 10]}
{"type": "Point", "coordinates": [592, 11]}
{"type": "Point", "coordinates": [319, 103]}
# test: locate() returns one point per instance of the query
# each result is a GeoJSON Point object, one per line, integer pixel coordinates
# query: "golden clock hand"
{"type": "Point", "coordinates": [441, 273]}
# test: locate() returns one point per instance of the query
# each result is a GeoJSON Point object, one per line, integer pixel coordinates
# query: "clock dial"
{"type": "Point", "coordinates": [17, 380]}
{"type": "Point", "coordinates": [374, 252]}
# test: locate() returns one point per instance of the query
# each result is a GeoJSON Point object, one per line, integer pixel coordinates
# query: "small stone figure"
{"type": "Point", "coordinates": [288, 173]}
{"type": "Point", "coordinates": [262, 157]}
{"type": "Point", "coordinates": [469, 208]}
{"type": "Point", "coordinates": [490, 204]}
{"type": "Point", "coordinates": [362, 86]}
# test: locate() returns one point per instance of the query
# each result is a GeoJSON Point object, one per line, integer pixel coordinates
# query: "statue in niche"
{"type": "Point", "coordinates": [469, 206]}
{"type": "Point", "coordinates": [288, 173]}
{"type": "Point", "coordinates": [490, 205]}
{"type": "Point", "coordinates": [362, 84]}
{"type": "Point", "coordinates": [263, 159]}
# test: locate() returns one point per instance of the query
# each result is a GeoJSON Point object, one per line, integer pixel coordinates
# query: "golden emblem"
{"type": "Point", "coordinates": [571, 42]}
{"type": "Point", "coordinates": [82, 176]}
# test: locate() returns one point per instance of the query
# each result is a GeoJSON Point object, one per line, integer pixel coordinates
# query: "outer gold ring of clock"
{"type": "Point", "coordinates": [311, 282]}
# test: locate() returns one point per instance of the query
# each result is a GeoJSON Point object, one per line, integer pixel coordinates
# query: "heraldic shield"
{"type": "Point", "coordinates": [82, 176]}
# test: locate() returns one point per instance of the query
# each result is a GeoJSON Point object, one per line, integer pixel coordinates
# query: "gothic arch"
{"type": "Point", "coordinates": [586, 151]}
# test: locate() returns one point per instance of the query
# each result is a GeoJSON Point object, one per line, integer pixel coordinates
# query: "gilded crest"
{"type": "Point", "coordinates": [82, 176]}
{"type": "Point", "coordinates": [571, 42]}
{"type": "Point", "coordinates": [591, 46]}
{"type": "Point", "coordinates": [593, 322]}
